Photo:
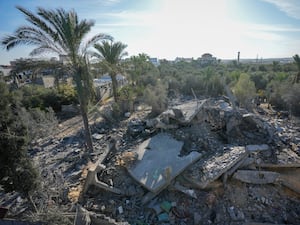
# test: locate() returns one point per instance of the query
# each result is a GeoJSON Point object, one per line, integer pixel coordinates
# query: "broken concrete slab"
{"type": "Point", "coordinates": [183, 113]}
{"type": "Point", "coordinates": [204, 172]}
{"type": "Point", "coordinates": [159, 162]}
{"type": "Point", "coordinates": [257, 148]}
{"type": "Point", "coordinates": [256, 177]}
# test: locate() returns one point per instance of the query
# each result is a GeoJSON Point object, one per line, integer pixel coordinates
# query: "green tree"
{"type": "Point", "coordinates": [110, 53]}
{"type": "Point", "coordinates": [61, 32]}
{"type": "Point", "coordinates": [16, 170]}
{"type": "Point", "coordinates": [138, 66]}
{"type": "Point", "coordinates": [156, 97]}
{"type": "Point", "coordinates": [297, 62]}
{"type": "Point", "coordinates": [244, 90]}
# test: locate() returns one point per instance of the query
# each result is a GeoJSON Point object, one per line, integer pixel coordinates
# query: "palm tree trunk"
{"type": "Point", "coordinates": [87, 130]}
{"type": "Point", "coordinates": [114, 86]}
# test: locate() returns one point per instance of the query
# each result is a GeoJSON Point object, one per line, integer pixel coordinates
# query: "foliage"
{"type": "Point", "coordinates": [244, 90]}
{"type": "Point", "coordinates": [297, 62]}
{"type": "Point", "coordinates": [285, 96]}
{"type": "Point", "coordinates": [110, 53]}
{"type": "Point", "coordinates": [68, 94]}
{"type": "Point", "coordinates": [61, 32]}
{"type": "Point", "coordinates": [16, 170]}
{"type": "Point", "coordinates": [38, 123]}
{"type": "Point", "coordinates": [138, 66]}
{"type": "Point", "coordinates": [156, 97]}
{"type": "Point", "coordinates": [35, 96]}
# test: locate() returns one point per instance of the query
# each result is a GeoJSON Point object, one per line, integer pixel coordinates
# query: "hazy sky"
{"type": "Point", "coordinates": [183, 28]}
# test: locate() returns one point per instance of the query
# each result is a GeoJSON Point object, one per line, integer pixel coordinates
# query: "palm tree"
{"type": "Point", "coordinates": [110, 53]}
{"type": "Point", "coordinates": [59, 31]}
{"type": "Point", "coordinates": [297, 61]}
{"type": "Point", "coordinates": [138, 66]}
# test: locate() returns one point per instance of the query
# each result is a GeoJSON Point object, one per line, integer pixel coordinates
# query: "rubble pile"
{"type": "Point", "coordinates": [199, 162]}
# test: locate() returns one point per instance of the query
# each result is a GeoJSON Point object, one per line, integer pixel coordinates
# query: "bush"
{"type": "Point", "coordinates": [16, 170]}
{"type": "Point", "coordinates": [39, 97]}
{"type": "Point", "coordinates": [156, 97]}
{"type": "Point", "coordinates": [244, 90]}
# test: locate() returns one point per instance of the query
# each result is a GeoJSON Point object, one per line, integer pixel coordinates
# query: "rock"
{"type": "Point", "coordinates": [235, 214]}
{"type": "Point", "coordinates": [97, 136]}
{"type": "Point", "coordinates": [197, 218]}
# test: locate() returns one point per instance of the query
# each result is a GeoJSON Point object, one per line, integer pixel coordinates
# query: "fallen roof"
{"type": "Point", "coordinates": [159, 162]}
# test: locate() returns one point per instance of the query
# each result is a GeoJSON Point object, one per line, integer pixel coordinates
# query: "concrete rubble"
{"type": "Point", "coordinates": [199, 162]}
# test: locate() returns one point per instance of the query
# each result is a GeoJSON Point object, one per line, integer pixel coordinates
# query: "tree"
{"type": "Point", "coordinates": [244, 90]}
{"type": "Point", "coordinates": [16, 170]}
{"type": "Point", "coordinates": [156, 97]}
{"type": "Point", "coordinates": [60, 32]}
{"type": "Point", "coordinates": [138, 66]}
{"type": "Point", "coordinates": [110, 53]}
{"type": "Point", "coordinates": [297, 61]}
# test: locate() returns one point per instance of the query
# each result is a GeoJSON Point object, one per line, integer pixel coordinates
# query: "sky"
{"type": "Point", "coordinates": [167, 29]}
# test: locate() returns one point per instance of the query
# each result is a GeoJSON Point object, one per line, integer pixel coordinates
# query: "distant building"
{"type": "Point", "coordinates": [207, 59]}
{"type": "Point", "coordinates": [5, 69]}
{"type": "Point", "coordinates": [182, 59]}
{"type": "Point", "coordinates": [154, 61]}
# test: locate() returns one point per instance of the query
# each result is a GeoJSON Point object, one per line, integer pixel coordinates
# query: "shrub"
{"type": "Point", "coordinates": [156, 97]}
{"type": "Point", "coordinates": [16, 170]}
{"type": "Point", "coordinates": [244, 90]}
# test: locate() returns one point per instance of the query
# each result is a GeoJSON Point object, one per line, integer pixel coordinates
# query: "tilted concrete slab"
{"type": "Point", "coordinates": [159, 162]}
{"type": "Point", "coordinates": [186, 112]}
{"type": "Point", "coordinates": [204, 172]}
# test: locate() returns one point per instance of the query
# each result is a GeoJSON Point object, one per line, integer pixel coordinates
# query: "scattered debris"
{"type": "Point", "coordinates": [199, 162]}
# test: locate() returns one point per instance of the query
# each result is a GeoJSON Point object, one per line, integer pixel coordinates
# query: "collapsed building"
{"type": "Point", "coordinates": [199, 162]}
{"type": "Point", "coordinates": [177, 168]}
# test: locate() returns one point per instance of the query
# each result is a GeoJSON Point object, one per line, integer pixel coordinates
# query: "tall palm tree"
{"type": "Point", "coordinates": [138, 66]}
{"type": "Point", "coordinates": [297, 61]}
{"type": "Point", "coordinates": [59, 31]}
{"type": "Point", "coordinates": [110, 53]}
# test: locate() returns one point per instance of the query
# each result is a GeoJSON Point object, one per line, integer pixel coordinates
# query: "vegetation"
{"type": "Point", "coordinates": [16, 170]}
{"type": "Point", "coordinates": [28, 112]}
{"type": "Point", "coordinates": [110, 53]}
{"type": "Point", "coordinates": [61, 32]}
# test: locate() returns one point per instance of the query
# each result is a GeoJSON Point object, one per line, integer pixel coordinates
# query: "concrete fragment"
{"type": "Point", "coordinates": [182, 114]}
{"type": "Point", "coordinates": [257, 148]}
{"type": "Point", "coordinates": [235, 214]}
{"type": "Point", "coordinates": [187, 191]}
{"type": "Point", "coordinates": [159, 162]}
{"type": "Point", "coordinates": [92, 179]}
{"type": "Point", "coordinates": [256, 177]}
{"type": "Point", "coordinates": [97, 136]}
{"type": "Point", "coordinates": [203, 173]}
